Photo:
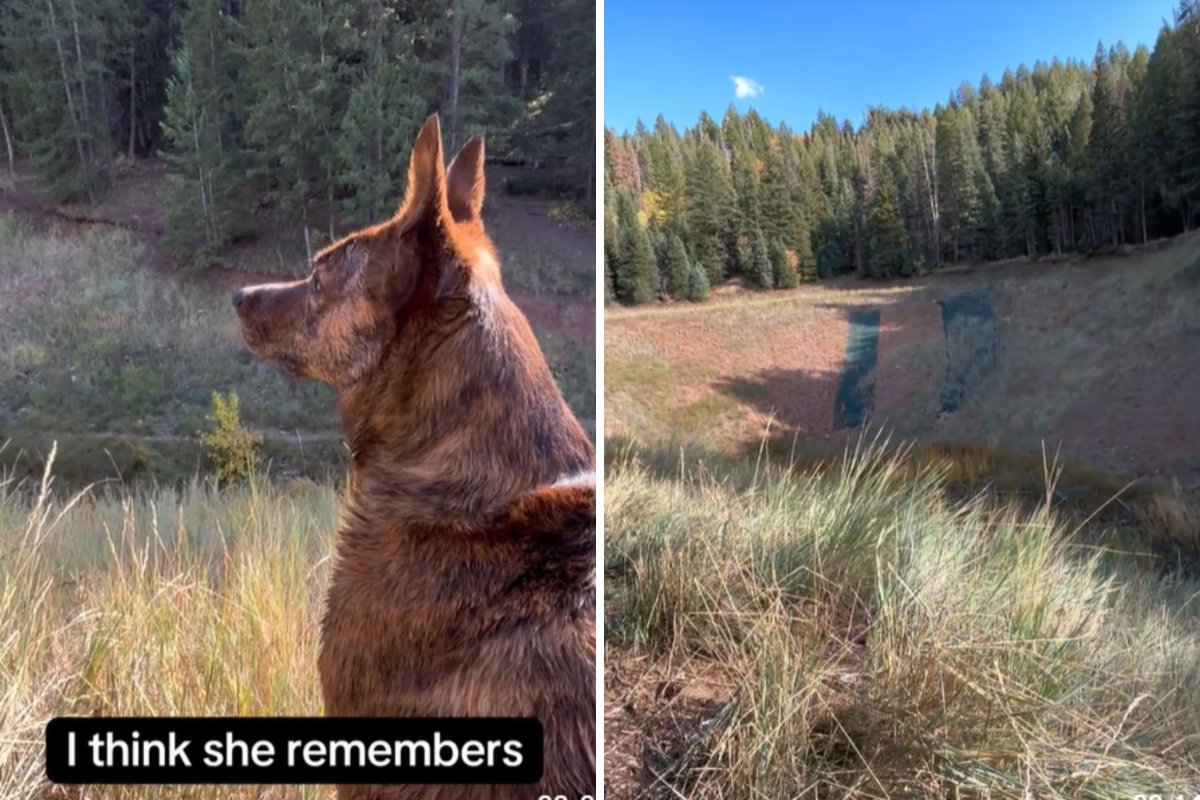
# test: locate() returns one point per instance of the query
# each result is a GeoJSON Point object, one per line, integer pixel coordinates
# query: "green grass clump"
{"type": "Point", "coordinates": [861, 633]}
{"type": "Point", "coordinates": [168, 601]}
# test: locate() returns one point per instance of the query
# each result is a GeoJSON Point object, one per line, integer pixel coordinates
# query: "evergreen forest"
{"type": "Point", "coordinates": [291, 110]}
{"type": "Point", "coordinates": [1061, 157]}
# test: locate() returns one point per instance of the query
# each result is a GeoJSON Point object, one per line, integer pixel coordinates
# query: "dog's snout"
{"type": "Point", "coordinates": [238, 298]}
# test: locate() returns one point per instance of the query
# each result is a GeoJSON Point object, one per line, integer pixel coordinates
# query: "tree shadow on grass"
{"type": "Point", "coordinates": [800, 402]}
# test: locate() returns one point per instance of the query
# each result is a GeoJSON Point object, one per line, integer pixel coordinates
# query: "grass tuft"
{"type": "Point", "coordinates": [162, 601]}
{"type": "Point", "coordinates": [856, 630]}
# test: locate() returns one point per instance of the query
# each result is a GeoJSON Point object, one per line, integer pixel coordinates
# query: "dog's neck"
{"type": "Point", "coordinates": [459, 422]}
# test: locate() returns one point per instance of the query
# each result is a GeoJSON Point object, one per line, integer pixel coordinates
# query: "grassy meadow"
{"type": "Point", "coordinates": [117, 362]}
{"type": "Point", "coordinates": [1095, 353]}
{"type": "Point", "coordinates": [857, 629]}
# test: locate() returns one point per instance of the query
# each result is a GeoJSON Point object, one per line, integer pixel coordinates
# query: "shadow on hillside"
{"type": "Point", "coordinates": [896, 362]}
{"type": "Point", "coordinates": [799, 402]}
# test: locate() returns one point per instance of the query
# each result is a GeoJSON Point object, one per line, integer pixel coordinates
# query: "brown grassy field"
{"type": "Point", "coordinates": [156, 602]}
{"type": "Point", "coordinates": [1096, 355]}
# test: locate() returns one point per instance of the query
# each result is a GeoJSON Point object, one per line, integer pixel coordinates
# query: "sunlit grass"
{"type": "Point", "coordinates": [159, 602]}
{"type": "Point", "coordinates": [865, 634]}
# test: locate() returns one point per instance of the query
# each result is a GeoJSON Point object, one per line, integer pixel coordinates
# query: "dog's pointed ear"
{"type": "Point", "coordinates": [465, 182]}
{"type": "Point", "coordinates": [425, 196]}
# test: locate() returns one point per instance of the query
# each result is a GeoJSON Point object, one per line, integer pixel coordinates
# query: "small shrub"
{"type": "Point", "coordinates": [108, 347]}
{"type": "Point", "coordinates": [27, 356]}
{"type": "Point", "coordinates": [232, 448]}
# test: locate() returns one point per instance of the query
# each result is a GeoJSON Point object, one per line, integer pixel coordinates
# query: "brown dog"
{"type": "Point", "coordinates": [463, 584]}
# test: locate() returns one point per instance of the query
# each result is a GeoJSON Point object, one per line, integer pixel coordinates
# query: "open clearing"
{"type": "Point", "coordinates": [1096, 355]}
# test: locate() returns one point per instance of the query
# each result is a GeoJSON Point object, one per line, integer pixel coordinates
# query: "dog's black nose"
{"type": "Point", "coordinates": [238, 297]}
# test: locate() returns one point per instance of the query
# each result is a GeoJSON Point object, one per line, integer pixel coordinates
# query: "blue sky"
{"type": "Point", "coordinates": [677, 58]}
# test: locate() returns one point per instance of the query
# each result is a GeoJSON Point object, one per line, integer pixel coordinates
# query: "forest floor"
{"type": "Point", "coordinates": [1096, 355]}
{"type": "Point", "coordinates": [113, 347]}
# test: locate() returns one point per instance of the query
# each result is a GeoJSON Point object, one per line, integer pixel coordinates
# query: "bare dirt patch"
{"type": "Point", "coordinates": [653, 715]}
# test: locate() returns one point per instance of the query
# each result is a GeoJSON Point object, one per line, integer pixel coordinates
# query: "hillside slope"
{"type": "Point", "coordinates": [1097, 355]}
{"type": "Point", "coordinates": [112, 347]}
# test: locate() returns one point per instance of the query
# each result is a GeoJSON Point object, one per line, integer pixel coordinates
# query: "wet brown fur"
{"type": "Point", "coordinates": [463, 582]}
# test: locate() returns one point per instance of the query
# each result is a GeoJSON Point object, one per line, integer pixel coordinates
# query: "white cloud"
{"type": "Point", "coordinates": [746, 87]}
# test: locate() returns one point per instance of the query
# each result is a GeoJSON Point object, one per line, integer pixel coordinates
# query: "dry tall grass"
{"type": "Point", "coordinates": [157, 602]}
{"type": "Point", "coordinates": [854, 631]}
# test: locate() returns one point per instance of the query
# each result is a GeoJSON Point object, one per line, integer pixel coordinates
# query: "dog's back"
{"type": "Point", "coordinates": [498, 621]}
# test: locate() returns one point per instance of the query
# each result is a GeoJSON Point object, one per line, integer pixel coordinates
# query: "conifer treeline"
{"type": "Point", "coordinates": [303, 108]}
{"type": "Point", "coordinates": [1063, 157]}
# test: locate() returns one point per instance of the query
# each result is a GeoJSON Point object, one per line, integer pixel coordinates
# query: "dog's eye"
{"type": "Point", "coordinates": [316, 284]}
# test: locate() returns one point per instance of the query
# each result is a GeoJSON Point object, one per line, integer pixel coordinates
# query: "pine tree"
{"type": "Point", "coordinates": [887, 240]}
{"type": "Point", "coordinates": [961, 205]}
{"type": "Point", "coordinates": [477, 43]}
{"type": "Point", "coordinates": [779, 214]}
{"type": "Point", "coordinates": [376, 129]}
{"type": "Point", "coordinates": [1108, 146]}
{"type": "Point", "coordinates": [204, 118]}
{"type": "Point", "coordinates": [635, 274]}
{"type": "Point", "coordinates": [200, 211]}
{"type": "Point", "coordinates": [555, 65]}
{"type": "Point", "coordinates": [677, 269]}
{"type": "Point", "coordinates": [611, 234]}
{"type": "Point", "coordinates": [783, 271]}
{"type": "Point", "coordinates": [698, 286]}
{"type": "Point", "coordinates": [806, 198]}
{"type": "Point", "coordinates": [710, 207]}
{"type": "Point", "coordinates": [666, 186]}
{"type": "Point", "coordinates": [761, 271]}
{"type": "Point", "coordinates": [291, 70]}
{"type": "Point", "coordinates": [61, 89]}
{"type": "Point", "coordinates": [1184, 115]}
